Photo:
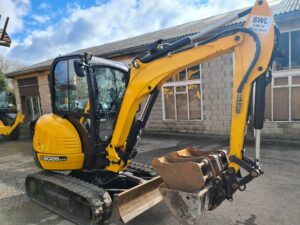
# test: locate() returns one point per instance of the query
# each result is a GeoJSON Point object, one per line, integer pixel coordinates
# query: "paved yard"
{"type": "Point", "coordinates": [272, 199]}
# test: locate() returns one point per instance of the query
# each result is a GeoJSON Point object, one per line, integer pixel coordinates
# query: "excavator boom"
{"type": "Point", "coordinates": [252, 45]}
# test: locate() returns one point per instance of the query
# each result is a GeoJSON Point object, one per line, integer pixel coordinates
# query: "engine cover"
{"type": "Point", "coordinates": [57, 144]}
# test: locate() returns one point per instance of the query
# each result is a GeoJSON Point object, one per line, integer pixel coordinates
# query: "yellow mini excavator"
{"type": "Point", "coordinates": [9, 118]}
{"type": "Point", "coordinates": [86, 146]}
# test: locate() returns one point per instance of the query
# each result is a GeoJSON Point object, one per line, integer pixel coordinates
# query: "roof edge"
{"type": "Point", "coordinates": [27, 71]}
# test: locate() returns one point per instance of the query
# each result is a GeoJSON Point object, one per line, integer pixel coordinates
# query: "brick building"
{"type": "Point", "coordinates": [198, 99]}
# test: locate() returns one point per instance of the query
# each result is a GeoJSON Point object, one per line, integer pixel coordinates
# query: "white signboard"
{"type": "Point", "coordinates": [260, 24]}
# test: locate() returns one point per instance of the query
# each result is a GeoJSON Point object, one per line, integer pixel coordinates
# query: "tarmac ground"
{"type": "Point", "coordinates": [271, 199]}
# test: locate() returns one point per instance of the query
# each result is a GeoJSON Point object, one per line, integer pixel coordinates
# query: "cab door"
{"type": "Point", "coordinates": [70, 99]}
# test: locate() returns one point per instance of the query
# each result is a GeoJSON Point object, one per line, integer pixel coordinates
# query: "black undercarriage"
{"type": "Point", "coordinates": [84, 197]}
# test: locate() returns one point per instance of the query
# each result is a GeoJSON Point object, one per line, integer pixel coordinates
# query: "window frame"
{"type": "Point", "coordinates": [290, 85]}
{"type": "Point", "coordinates": [126, 77]}
{"type": "Point", "coordinates": [53, 92]}
{"type": "Point", "coordinates": [175, 84]}
{"type": "Point", "coordinates": [289, 73]}
{"type": "Point", "coordinates": [289, 31]}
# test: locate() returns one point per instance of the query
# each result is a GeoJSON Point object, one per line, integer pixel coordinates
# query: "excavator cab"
{"type": "Point", "coordinates": [79, 83]}
{"type": "Point", "coordinates": [10, 119]}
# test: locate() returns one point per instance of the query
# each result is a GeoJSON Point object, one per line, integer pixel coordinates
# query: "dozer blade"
{"type": "Point", "coordinates": [192, 182]}
{"type": "Point", "coordinates": [131, 203]}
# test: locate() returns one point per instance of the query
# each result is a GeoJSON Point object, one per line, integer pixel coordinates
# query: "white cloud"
{"type": "Point", "coordinates": [40, 18]}
{"type": "Point", "coordinates": [44, 6]}
{"type": "Point", "coordinates": [15, 10]}
{"type": "Point", "coordinates": [113, 20]}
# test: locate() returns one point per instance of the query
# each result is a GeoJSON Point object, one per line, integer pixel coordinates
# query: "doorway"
{"type": "Point", "coordinates": [33, 108]}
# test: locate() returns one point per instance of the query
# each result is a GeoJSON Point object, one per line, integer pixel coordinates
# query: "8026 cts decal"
{"type": "Point", "coordinates": [54, 158]}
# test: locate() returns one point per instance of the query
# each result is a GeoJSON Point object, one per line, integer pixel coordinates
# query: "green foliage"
{"type": "Point", "coordinates": [3, 82]}
{"type": "Point", "coordinates": [6, 66]}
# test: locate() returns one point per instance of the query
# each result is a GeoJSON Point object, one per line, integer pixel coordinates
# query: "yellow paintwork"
{"type": "Point", "coordinates": [86, 111]}
{"type": "Point", "coordinates": [155, 74]}
{"type": "Point", "coordinates": [243, 56]}
{"type": "Point", "coordinates": [55, 136]}
{"type": "Point", "coordinates": [148, 76]}
{"type": "Point", "coordinates": [116, 164]}
{"type": "Point", "coordinates": [7, 130]}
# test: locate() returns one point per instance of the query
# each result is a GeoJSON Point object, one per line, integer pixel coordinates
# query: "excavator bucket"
{"type": "Point", "coordinates": [186, 207]}
{"type": "Point", "coordinates": [131, 203]}
{"type": "Point", "coordinates": [191, 178]}
{"type": "Point", "coordinates": [4, 38]}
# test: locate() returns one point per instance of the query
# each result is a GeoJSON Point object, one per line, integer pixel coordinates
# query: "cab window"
{"type": "Point", "coordinates": [111, 84]}
{"type": "Point", "coordinates": [78, 91]}
{"type": "Point", "coordinates": [71, 91]}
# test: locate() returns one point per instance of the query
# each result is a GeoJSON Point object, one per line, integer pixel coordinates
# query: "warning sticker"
{"type": "Point", "coordinates": [260, 24]}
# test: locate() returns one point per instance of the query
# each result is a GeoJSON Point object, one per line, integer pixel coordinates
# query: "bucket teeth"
{"type": "Point", "coordinates": [190, 178]}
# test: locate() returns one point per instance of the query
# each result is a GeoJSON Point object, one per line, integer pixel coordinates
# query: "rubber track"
{"type": "Point", "coordinates": [143, 168]}
{"type": "Point", "coordinates": [98, 198]}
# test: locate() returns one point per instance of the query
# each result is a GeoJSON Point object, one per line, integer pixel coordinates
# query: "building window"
{"type": "Point", "coordinates": [288, 54]}
{"type": "Point", "coordinates": [182, 95]}
{"type": "Point", "coordinates": [281, 95]}
{"type": "Point", "coordinates": [281, 99]}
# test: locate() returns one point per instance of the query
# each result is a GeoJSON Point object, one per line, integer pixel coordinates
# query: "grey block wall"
{"type": "Point", "coordinates": [282, 130]}
{"type": "Point", "coordinates": [216, 87]}
{"type": "Point", "coordinates": [217, 81]}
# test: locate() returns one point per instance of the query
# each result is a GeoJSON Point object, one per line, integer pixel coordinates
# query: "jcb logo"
{"type": "Point", "coordinates": [261, 20]}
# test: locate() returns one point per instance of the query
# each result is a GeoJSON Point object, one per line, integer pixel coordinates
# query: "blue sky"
{"type": "Point", "coordinates": [42, 29]}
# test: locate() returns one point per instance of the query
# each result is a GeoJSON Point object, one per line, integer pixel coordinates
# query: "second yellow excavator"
{"type": "Point", "coordinates": [9, 118]}
{"type": "Point", "coordinates": [86, 146]}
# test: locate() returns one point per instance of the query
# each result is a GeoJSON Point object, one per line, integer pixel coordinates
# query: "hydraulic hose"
{"type": "Point", "coordinates": [146, 58]}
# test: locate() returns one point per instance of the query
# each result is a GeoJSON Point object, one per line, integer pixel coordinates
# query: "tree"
{"type": "Point", "coordinates": [6, 66]}
{"type": "Point", "coordinates": [3, 82]}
